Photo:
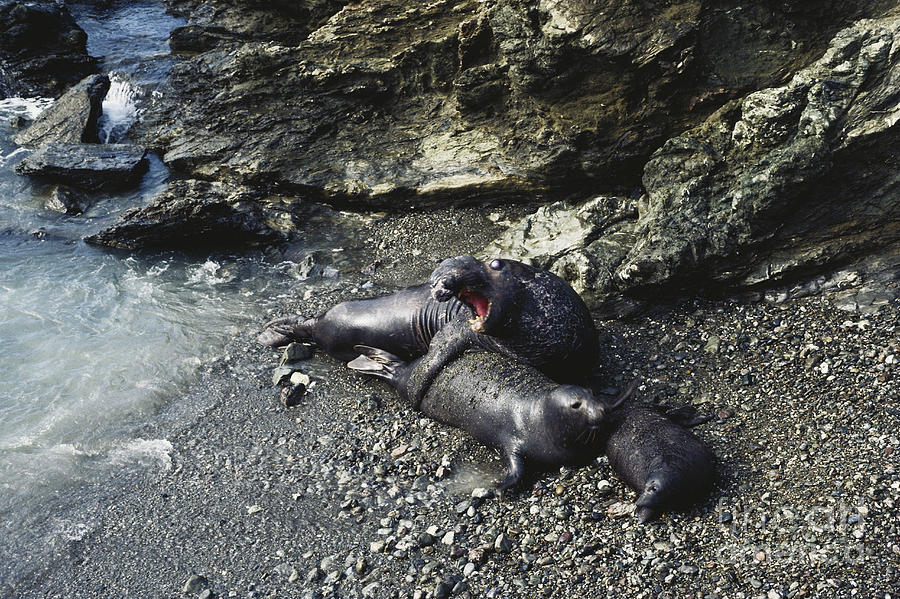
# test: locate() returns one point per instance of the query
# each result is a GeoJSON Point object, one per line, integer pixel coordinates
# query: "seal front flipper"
{"type": "Point", "coordinates": [285, 329]}
{"type": "Point", "coordinates": [687, 416]}
{"type": "Point", "coordinates": [449, 343]}
{"type": "Point", "coordinates": [515, 467]}
{"type": "Point", "coordinates": [376, 362]}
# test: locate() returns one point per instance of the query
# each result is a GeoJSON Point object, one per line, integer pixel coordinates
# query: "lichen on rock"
{"type": "Point", "coordinates": [762, 174]}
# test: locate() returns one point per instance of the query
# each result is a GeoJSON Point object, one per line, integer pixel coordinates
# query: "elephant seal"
{"type": "Point", "coordinates": [516, 310]}
{"type": "Point", "coordinates": [403, 323]}
{"type": "Point", "coordinates": [667, 464]}
{"type": "Point", "coordinates": [506, 405]}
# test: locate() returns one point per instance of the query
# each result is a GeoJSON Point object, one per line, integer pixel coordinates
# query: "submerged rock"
{"type": "Point", "coordinates": [198, 214]}
{"type": "Point", "coordinates": [42, 50]}
{"type": "Point", "coordinates": [19, 122]}
{"type": "Point", "coordinates": [72, 118]}
{"type": "Point", "coordinates": [87, 166]}
{"type": "Point", "coordinates": [67, 200]}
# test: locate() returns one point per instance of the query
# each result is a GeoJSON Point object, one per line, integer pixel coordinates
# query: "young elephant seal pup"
{"type": "Point", "coordinates": [667, 464]}
{"type": "Point", "coordinates": [403, 323]}
{"type": "Point", "coordinates": [506, 405]}
{"type": "Point", "coordinates": [500, 306]}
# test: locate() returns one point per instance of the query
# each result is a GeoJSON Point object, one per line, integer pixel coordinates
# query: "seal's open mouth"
{"type": "Point", "coordinates": [480, 305]}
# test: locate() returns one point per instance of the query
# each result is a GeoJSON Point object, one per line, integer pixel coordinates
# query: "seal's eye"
{"type": "Point", "coordinates": [576, 405]}
{"type": "Point", "coordinates": [496, 264]}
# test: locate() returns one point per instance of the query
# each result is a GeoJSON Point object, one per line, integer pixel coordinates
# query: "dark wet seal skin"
{"type": "Point", "coordinates": [403, 323]}
{"type": "Point", "coordinates": [663, 461]}
{"type": "Point", "coordinates": [517, 310]}
{"type": "Point", "coordinates": [506, 405]}
{"type": "Point", "coordinates": [500, 306]}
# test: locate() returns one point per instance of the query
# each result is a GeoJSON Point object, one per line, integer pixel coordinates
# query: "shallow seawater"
{"type": "Point", "coordinates": [129, 36]}
{"type": "Point", "coordinates": [96, 342]}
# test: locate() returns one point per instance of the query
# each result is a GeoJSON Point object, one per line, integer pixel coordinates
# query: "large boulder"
{"type": "Point", "coordinates": [410, 103]}
{"type": "Point", "coordinates": [583, 244]}
{"type": "Point", "coordinates": [72, 118]}
{"type": "Point", "coordinates": [200, 215]}
{"type": "Point", "coordinates": [788, 183]}
{"type": "Point", "coordinates": [100, 167]}
{"type": "Point", "coordinates": [42, 50]}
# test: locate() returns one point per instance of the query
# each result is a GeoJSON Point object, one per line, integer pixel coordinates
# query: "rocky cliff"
{"type": "Point", "coordinates": [737, 144]}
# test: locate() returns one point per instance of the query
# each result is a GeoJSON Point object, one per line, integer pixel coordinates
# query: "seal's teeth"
{"type": "Point", "coordinates": [477, 325]}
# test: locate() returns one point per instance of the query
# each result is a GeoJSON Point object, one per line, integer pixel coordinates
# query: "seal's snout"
{"type": "Point", "coordinates": [646, 514]}
{"type": "Point", "coordinates": [595, 414]}
{"type": "Point", "coordinates": [441, 291]}
{"type": "Point", "coordinates": [445, 280]}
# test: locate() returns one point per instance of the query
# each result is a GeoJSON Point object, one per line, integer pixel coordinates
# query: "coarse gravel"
{"type": "Point", "coordinates": [352, 494]}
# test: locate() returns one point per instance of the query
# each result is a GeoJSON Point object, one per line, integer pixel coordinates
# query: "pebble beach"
{"type": "Point", "coordinates": [352, 494]}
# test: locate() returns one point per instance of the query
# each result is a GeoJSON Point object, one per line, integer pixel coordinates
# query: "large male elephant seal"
{"type": "Point", "coordinates": [506, 405]}
{"type": "Point", "coordinates": [667, 464]}
{"type": "Point", "coordinates": [501, 306]}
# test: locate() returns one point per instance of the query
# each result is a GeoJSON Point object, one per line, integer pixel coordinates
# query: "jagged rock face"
{"type": "Point", "coordinates": [756, 141]}
{"type": "Point", "coordinates": [201, 215]}
{"type": "Point", "coordinates": [42, 50]}
{"type": "Point", "coordinates": [72, 118]}
{"type": "Point", "coordinates": [784, 180]}
{"type": "Point", "coordinates": [786, 183]}
{"type": "Point", "coordinates": [396, 103]}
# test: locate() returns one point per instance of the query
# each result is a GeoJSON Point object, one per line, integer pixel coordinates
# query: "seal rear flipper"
{"type": "Point", "coordinates": [283, 330]}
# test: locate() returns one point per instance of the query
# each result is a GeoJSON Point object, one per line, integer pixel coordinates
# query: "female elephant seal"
{"type": "Point", "coordinates": [667, 464]}
{"type": "Point", "coordinates": [506, 405]}
{"type": "Point", "coordinates": [513, 309]}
